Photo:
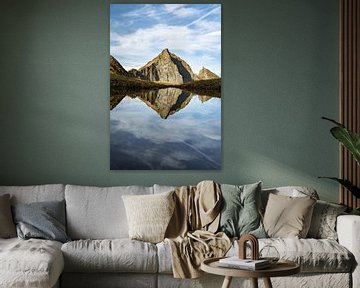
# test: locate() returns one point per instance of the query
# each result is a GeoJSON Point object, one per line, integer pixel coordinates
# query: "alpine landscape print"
{"type": "Point", "coordinates": [165, 86]}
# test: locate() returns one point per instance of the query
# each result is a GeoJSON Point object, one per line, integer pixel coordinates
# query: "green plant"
{"type": "Point", "coordinates": [351, 141]}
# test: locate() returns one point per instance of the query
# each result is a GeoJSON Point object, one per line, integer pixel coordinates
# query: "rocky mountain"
{"type": "Point", "coordinates": [116, 68]}
{"type": "Point", "coordinates": [137, 74]}
{"type": "Point", "coordinates": [167, 67]}
{"type": "Point", "coordinates": [206, 74]}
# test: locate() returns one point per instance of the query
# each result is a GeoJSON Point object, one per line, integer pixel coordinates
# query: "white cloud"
{"type": "Point", "coordinates": [156, 10]}
{"type": "Point", "coordinates": [213, 11]}
{"type": "Point", "coordinates": [148, 11]}
{"type": "Point", "coordinates": [135, 49]}
{"type": "Point", "coordinates": [172, 7]}
{"type": "Point", "coordinates": [186, 12]}
{"type": "Point", "coordinates": [158, 130]}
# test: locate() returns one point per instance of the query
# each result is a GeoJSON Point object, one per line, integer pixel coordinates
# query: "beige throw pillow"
{"type": "Point", "coordinates": [288, 217]}
{"type": "Point", "coordinates": [7, 226]}
{"type": "Point", "coordinates": [149, 215]}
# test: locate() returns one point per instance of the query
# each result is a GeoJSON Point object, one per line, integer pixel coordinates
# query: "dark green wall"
{"type": "Point", "coordinates": [280, 75]}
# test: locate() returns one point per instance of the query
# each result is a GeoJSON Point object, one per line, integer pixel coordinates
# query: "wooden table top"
{"type": "Point", "coordinates": [281, 268]}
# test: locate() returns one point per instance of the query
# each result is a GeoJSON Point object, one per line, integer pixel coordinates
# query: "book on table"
{"type": "Point", "coordinates": [236, 262]}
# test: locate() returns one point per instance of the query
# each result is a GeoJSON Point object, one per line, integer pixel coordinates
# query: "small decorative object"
{"type": "Point", "coordinates": [270, 253]}
{"type": "Point", "coordinates": [254, 246]}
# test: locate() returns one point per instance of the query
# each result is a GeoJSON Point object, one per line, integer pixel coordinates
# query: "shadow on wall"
{"type": "Point", "coordinates": [274, 173]}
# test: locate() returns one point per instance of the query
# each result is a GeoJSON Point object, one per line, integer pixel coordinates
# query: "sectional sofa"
{"type": "Point", "coordinates": [101, 254]}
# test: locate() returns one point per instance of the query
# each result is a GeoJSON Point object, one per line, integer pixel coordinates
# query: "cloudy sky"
{"type": "Point", "coordinates": [139, 32]}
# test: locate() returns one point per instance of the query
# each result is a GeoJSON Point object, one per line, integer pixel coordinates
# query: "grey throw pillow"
{"type": "Point", "coordinates": [7, 226]}
{"type": "Point", "coordinates": [323, 222]}
{"type": "Point", "coordinates": [240, 210]}
{"type": "Point", "coordinates": [44, 220]}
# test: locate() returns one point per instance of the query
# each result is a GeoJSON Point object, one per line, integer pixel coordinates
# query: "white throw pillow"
{"type": "Point", "coordinates": [149, 215]}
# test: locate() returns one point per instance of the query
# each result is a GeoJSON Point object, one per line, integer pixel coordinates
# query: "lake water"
{"type": "Point", "coordinates": [166, 129]}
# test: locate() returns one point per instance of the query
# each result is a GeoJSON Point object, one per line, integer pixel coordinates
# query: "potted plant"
{"type": "Point", "coordinates": [351, 141]}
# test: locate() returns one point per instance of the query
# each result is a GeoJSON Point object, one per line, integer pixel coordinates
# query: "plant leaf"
{"type": "Point", "coordinates": [347, 184]}
{"type": "Point", "coordinates": [333, 121]}
{"type": "Point", "coordinates": [348, 138]}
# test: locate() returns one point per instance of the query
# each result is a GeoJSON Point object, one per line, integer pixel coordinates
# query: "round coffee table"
{"type": "Point", "coordinates": [281, 268]}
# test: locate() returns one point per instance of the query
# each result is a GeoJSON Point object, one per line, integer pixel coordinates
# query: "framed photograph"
{"type": "Point", "coordinates": [165, 86]}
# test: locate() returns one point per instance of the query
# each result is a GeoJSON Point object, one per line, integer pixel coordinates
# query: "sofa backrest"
{"type": "Point", "coordinates": [36, 193]}
{"type": "Point", "coordinates": [163, 188]}
{"type": "Point", "coordinates": [98, 212]}
{"type": "Point", "coordinates": [293, 191]}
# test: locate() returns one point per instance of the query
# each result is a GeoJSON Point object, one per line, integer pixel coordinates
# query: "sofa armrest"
{"type": "Point", "coordinates": [348, 230]}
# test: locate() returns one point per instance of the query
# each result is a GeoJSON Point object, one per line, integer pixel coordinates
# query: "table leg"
{"type": "Point", "coordinates": [227, 282]}
{"type": "Point", "coordinates": [254, 282]}
{"type": "Point", "coordinates": [267, 283]}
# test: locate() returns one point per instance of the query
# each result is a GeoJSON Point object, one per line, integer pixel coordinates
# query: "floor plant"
{"type": "Point", "coordinates": [351, 142]}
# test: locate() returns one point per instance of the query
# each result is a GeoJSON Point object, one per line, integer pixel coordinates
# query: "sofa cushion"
{"type": "Point", "coordinates": [30, 263]}
{"type": "Point", "coordinates": [117, 255]}
{"type": "Point", "coordinates": [149, 215]}
{"type": "Point", "coordinates": [313, 255]}
{"type": "Point", "coordinates": [291, 191]}
{"type": "Point", "coordinates": [98, 213]}
{"type": "Point", "coordinates": [36, 193]}
{"type": "Point", "coordinates": [287, 216]}
{"type": "Point", "coordinates": [7, 226]}
{"type": "Point", "coordinates": [240, 210]}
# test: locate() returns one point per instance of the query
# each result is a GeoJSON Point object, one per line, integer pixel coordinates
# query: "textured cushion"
{"type": "Point", "coordinates": [287, 216]}
{"type": "Point", "coordinates": [323, 222]}
{"type": "Point", "coordinates": [163, 188]}
{"type": "Point", "coordinates": [36, 193]}
{"type": "Point", "coordinates": [313, 255]}
{"type": "Point", "coordinates": [240, 210]}
{"type": "Point", "coordinates": [149, 215]}
{"type": "Point", "coordinates": [117, 255]}
{"type": "Point", "coordinates": [30, 263]}
{"type": "Point", "coordinates": [7, 227]}
{"type": "Point", "coordinates": [98, 213]}
{"type": "Point", "coordinates": [44, 220]}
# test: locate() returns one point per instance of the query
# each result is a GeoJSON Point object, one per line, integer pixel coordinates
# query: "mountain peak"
{"type": "Point", "coordinates": [205, 74]}
{"type": "Point", "coordinates": [116, 68]}
{"type": "Point", "coordinates": [165, 51]}
{"type": "Point", "coordinates": [168, 67]}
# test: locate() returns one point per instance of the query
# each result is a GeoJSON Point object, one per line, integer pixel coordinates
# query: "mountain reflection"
{"type": "Point", "coordinates": [190, 139]}
{"type": "Point", "coordinates": [165, 102]}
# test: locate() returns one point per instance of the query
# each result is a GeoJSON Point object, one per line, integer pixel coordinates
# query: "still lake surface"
{"type": "Point", "coordinates": [166, 129]}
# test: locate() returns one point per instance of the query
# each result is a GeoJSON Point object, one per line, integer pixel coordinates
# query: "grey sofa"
{"type": "Point", "coordinates": [101, 254]}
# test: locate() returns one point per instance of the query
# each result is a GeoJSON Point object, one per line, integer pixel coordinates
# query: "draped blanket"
{"type": "Point", "coordinates": [191, 231]}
